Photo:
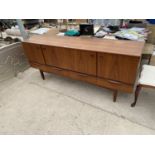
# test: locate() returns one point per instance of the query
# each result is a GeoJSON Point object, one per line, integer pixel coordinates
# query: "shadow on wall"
{"type": "Point", "coordinates": [12, 61]}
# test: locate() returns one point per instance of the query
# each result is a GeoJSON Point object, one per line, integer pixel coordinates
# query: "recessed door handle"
{"type": "Point", "coordinates": [114, 82]}
{"type": "Point", "coordinates": [58, 69]}
{"type": "Point", "coordinates": [83, 75]}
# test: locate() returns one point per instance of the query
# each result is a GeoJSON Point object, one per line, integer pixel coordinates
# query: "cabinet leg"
{"type": "Point", "coordinates": [42, 74]}
{"type": "Point", "coordinates": [138, 88]}
{"type": "Point", "coordinates": [149, 59]}
{"type": "Point", "coordinates": [115, 95]}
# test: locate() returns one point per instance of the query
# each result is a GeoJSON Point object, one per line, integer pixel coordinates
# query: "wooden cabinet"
{"type": "Point", "coordinates": [117, 67]}
{"type": "Point", "coordinates": [34, 53]}
{"type": "Point", "coordinates": [110, 70]}
{"type": "Point", "coordinates": [107, 63]}
{"type": "Point", "coordinates": [71, 59]}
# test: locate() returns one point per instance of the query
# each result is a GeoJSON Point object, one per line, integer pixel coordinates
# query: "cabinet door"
{"type": "Point", "coordinates": [58, 57]}
{"type": "Point", "coordinates": [34, 53]}
{"type": "Point", "coordinates": [71, 59]}
{"type": "Point", "coordinates": [117, 67]}
{"type": "Point", "coordinates": [85, 62]}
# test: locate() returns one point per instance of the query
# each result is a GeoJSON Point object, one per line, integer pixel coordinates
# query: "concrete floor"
{"type": "Point", "coordinates": [58, 105]}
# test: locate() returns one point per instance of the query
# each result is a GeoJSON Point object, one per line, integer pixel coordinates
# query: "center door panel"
{"type": "Point", "coordinates": [58, 57]}
{"type": "Point", "coordinates": [71, 59]}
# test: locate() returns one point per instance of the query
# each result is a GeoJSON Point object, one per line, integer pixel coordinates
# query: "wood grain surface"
{"type": "Point", "coordinates": [123, 47]}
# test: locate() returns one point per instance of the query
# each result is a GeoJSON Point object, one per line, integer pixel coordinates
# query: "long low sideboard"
{"type": "Point", "coordinates": [107, 63]}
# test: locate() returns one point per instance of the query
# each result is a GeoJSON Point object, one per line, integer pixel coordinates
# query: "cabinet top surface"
{"type": "Point", "coordinates": [123, 47]}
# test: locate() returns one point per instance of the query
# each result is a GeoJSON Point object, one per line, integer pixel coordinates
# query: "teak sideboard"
{"type": "Point", "coordinates": [111, 64]}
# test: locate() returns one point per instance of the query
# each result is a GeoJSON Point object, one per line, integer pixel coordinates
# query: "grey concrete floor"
{"type": "Point", "coordinates": [58, 105]}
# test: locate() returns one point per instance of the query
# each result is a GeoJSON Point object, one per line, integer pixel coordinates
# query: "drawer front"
{"type": "Point", "coordinates": [70, 74]}
{"type": "Point", "coordinates": [33, 53]}
{"type": "Point", "coordinates": [83, 77]}
{"type": "Point", "coordinates": [71, 59]}
{"type": "Point", "coordinates": [111, 84]}
{"type": "Point", "coordinates": [117, 67]}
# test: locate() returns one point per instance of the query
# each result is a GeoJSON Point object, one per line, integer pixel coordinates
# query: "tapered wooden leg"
{"type": "Point", "coordinates": [149, 59]}
{"type": "Point", "coordinates": [42, 74]}
{"type": "Point", "coordinates": [138, 88]}
{"type": "Point", "coordinates": [115, 95]}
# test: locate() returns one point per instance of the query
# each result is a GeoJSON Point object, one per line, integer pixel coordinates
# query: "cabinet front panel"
{"type": "Point", "coordinates": [71, 59]}
{"type": "Point", "coordinates": [85, 62]}
{"type": "Point", "coordinates": [33, 52]}
{"type": "Point", "coordinates": [117, 67]}
{"type": "Point", "coordinates": [59, 57]}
